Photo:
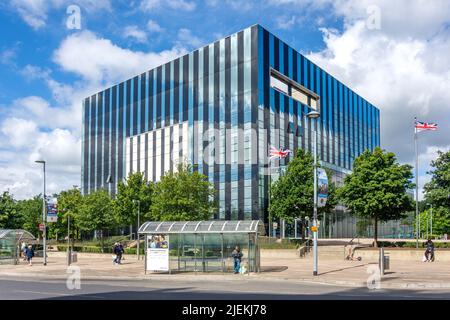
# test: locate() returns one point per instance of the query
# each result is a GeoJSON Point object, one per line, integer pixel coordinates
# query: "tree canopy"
{"type": "Point", "coordinates": [437, 193]}
{"type": "Point", "coordinates": [377, 187]}
{"type": "Point", "coordinates": [183, 195]}
{"type": "Point", "coordinates": [135, 188]}
{"type": "Point", "coordinates": [292, 195]}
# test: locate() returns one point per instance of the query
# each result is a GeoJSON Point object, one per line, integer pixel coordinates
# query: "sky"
{"type": "Point", "coordinates": [395, 53]}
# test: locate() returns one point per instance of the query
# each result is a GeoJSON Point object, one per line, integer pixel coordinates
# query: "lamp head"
{"type": "Point", "coordinates": [313, 114]}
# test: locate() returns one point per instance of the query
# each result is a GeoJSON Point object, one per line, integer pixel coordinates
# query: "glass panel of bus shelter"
{"type": "Point", "coordinates": [252, 253]}
{"type": "Point", "coordinates": [230, 241]}
{"type": "Point", "coordinates": [6, 251]}
{"type": "Point", "coordinates": [174, 241]}
{"type": "Point", "coordinates": [212, 252]}
{"type": "Point", "coordinates": [187, 252]}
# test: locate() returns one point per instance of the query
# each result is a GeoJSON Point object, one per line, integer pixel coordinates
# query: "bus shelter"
{"type": "Point", "coordinates": [201, 246]}
{"type": "Point", "coordinates": [10, 242]}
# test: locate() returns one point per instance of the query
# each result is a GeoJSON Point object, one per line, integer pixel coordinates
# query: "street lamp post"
{"type": "Point", "coordinates": [44, 218]}
{"type": "Point", "coordinates": [138, 224]}
{"type": "Point", "coordinates": [314, 115]}
{"type": "Point", "coordinates": [431, 221]}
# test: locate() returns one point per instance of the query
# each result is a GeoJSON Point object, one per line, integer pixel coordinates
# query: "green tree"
{"type": "Point", "coordinates": [377, 188]}
{"type": "Point", "coordinates": [441, 221]}
{"type": "Point", "coordinates": [292, 195]}
{"type": "Point", "coordinates": [69, 204]}
{"type": "Point", "coordinates": [437, 192]}
{"type": "Point", "coordinates": [134, 188]}
{"type": "Point", "coordinates": [9, 216]}
{"type": "Point", "coordinates": [96, 213]}
{"type": "Point", "coordinates": [183, 195]}
{"type": "Point", "coordinates": [30, 211]}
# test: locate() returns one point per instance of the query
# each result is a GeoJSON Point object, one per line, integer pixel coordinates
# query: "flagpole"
{"type": "Point", "coordinates": [417, 184]}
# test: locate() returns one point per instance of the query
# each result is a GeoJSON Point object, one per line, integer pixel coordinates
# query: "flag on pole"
{"type": "Point", "coordinates": [425, 126]}
{"type": "Point", "coordinates": [278, 154]}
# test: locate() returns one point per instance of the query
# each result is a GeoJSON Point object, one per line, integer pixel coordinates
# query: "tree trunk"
{"type": "Point", "coordinates": [375, 242]}
{"type": "Point", "coordinates": [102, 241]}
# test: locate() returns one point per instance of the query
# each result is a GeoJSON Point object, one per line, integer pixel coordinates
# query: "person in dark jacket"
{"type": "Point", "coordinates": [237, 256]}
{"type": "Point", "coordinates": [29, 253]}
{"type": "Point", "coordinates": [118, 251]}
{"type": "Point", "coordinates": [429, 252]}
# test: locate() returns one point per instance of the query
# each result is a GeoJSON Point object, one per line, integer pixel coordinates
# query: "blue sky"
{"type": "Point", "coordinates": [46, 68]}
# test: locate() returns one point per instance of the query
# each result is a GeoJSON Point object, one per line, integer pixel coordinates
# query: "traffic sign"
{"type": "Point", "coordinates": [314, 229]}
{"type": "Point", "coordinates": [41, 227]}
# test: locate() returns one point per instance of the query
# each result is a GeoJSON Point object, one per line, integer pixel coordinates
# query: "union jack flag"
{"type": "Point", "coordinates": [278, 154]}
{"type": "Point", "coordinates": [423, 126]}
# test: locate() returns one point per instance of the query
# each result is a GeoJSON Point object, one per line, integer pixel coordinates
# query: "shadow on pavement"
{"type": "Point", "coordinates": [188, 293]}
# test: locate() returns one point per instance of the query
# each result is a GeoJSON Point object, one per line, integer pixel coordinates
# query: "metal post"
{"type": "Point", "coordinates": [44, 218]}
{"type": "Point", "coordinates": [270, 221]}
{"type": "Point", "coordinates": [431, 227]}
{"type": "Point", "coordinates": [69, 253]}
{"type": "Point", "coordinates": [137, 233]}
{"type": "Point", "coordinates": [417, 189]}
{"type": "Point", "coordinates": [315, 271]}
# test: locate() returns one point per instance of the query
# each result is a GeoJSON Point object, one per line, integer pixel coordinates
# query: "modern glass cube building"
{"type": "Point", "coordinates": [220, 108]}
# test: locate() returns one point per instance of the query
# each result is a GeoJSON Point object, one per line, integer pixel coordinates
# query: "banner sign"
{"type": "Point", "coordinates": [322, 194]}
{"type": "Point", "coordinates": [158, 253]}
{"type": "Point", "coordinates": [52, 210]}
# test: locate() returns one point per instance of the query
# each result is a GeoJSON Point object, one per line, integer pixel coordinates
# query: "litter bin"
{"type": "Point", "coordinates": [383, 261]}
{"type": "Point", "coordinates": [386, 263]}
{"type": "Point", "coordinates": [74, 257]}
{"type": "Point", "coordinates": [71, 257]}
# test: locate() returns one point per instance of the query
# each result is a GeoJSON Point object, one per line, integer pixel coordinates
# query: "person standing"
{"type": "Point", "coordinates": [23, 250]}
{"type": "Point", "coordinates": [429, 252]}
{"type": "Point", "coordinates": [237, 257]}
{"type": "Point", "coordinates": [29, 254]}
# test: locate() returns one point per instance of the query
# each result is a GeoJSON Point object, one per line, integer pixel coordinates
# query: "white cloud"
{"type": "Point", "coordinates": [153, 26]}
{"type": "Point", "coordinates": [101, 62]}
{"type": "Point", "coordinates": [185, 37]}
{"type": "Point", "coordinates": [135, 33]}
{"type": "Point", "coordinates": [401, 73]}
{"type": "Point", "coordinates": [34, 128]}
{"type": "Point", "coordinates": [18, 132]}
{"type": "Point", "coordinates": [286, 23]}
{"type": "Point", "coordinates": [35, 12]}
{"type": "Point", "coordinates": [25, 143]}
{"type": "Point", "coordinates": [182, 5]}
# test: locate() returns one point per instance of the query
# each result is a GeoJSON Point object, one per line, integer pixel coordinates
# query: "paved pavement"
{"type": "Point", "coordinates": [336, 272]}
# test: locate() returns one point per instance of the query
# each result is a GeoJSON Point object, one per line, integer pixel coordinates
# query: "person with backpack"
{"type": "Point", "coordinates": [237, 257]}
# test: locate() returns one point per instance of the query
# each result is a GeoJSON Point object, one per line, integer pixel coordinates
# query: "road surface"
{"type": "Point", "coordinates": [254, 289]}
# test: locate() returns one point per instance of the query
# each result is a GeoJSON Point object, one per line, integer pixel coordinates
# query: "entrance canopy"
{"type": "Point", "coordinates": [215, 226]}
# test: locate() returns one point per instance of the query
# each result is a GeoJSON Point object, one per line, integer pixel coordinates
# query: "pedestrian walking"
{"type": "Point", "coordinates": [118, 251]}
{"type": "Point", "coordinates": [29, 254]}
{"type": "Point", "coordinates": [237, 257]}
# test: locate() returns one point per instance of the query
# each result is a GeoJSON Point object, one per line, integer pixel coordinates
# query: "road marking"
{"type": "Point", "coordinates": [58, 294]}
{"type": "Point", "coordinates": [40, 292]}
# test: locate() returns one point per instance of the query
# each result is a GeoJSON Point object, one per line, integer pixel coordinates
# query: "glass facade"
{"type": "Point", "coordinates": [216, 108]}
